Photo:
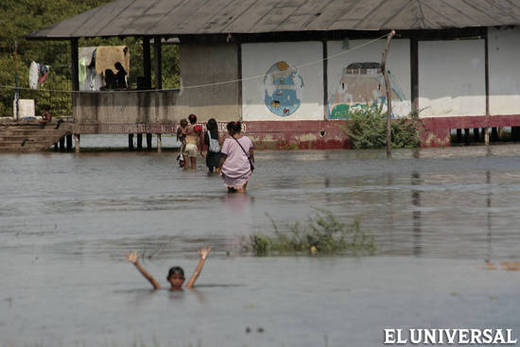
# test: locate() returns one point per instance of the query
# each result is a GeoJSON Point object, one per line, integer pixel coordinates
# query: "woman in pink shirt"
{"type": "Point", "coordinates": [236, 165]}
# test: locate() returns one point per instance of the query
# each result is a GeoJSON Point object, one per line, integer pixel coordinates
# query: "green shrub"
{"type": "Point", "coordinates": [367, 129]}
{"type": "Point", "coordinates": [322, 233]}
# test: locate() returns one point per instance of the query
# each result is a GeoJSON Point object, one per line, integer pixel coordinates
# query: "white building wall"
{"type": "Point", "coordinates": [361, 89]}
{"type": "Point", "coordinates": [504, 73]}
{"type": "Point", "coordinates": [452, 78]}
{"type": "Point", "coordinates": [300, 68]}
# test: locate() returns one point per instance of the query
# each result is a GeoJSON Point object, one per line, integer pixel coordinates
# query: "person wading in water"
{"type": "Point", "coordinates": [175, 274]}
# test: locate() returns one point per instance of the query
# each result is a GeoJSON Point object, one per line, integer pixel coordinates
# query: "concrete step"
{"type": "Point", "coordinates": [33, 137]}
{"type": "Point", "coordinates": [34, 131]}
{"type": "Point", "coordinates": [36, 137]}
{"type": "Point", "coordinates": [19, 142]}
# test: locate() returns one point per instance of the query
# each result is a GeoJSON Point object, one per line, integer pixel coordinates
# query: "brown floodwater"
{"type": "Point", "coordinates": [66, 221]}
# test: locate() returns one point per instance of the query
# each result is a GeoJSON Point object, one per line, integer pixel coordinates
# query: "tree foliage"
{"type": "Point", "coordinates": [21, 17]}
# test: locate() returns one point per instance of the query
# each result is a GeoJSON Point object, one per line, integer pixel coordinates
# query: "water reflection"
{"type": "Point", "coordinates": [390, 213]}
{"type": "Point", "coordinates": [416, 202]}
{"type": "Point", "coordinates": [238, 202]}
{"type": "Point", "coordinates": [488, 220]}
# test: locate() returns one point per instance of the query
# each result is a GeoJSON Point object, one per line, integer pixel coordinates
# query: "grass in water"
{"type": "Point", "coordinates": [322, 233]}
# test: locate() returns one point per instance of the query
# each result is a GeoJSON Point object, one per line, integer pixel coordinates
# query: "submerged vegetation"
{"type": "Point", "coordinates": [367, 129]}
{"type": "Point", "coordinates": [321, 233]}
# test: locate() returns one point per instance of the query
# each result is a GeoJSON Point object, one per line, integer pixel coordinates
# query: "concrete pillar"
{"type": "Point", "coordinates": [130, 142]}
{"type": "Point", "coordinates": [486, 136]}
{"type": "Point", "coordinates": [159, 143]}
{"type": "Point", "coordinates": [139, 142]}
{"type": "Point", "coordinates": [76, 142]}
{"type": "Point", "coordinates": [149, 142]}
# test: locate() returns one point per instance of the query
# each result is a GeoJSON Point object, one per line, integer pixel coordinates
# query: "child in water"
{"type": "Point", "coordinates": [211, 139]}
{"type": "Point", "coordinates": [176, 273]}
{"type": "Point", "coordinates": [181, 136]}
{"type": "Point", "coordinates": [193, 142]}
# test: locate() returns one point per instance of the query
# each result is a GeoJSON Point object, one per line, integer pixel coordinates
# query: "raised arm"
{"type": "Point", "coordinates": [203, 255]}
{"type": "Point", "coordinates": [132, 258]}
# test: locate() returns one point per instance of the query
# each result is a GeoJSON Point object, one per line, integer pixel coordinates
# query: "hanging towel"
{"type": "Point", "coordinates": [82, 70]}
{"type": "Point", "coordinates": [44, 69]}
{"type": "Point", "coordinates": [34, 72]}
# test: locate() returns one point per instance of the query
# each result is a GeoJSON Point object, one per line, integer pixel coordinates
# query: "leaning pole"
{"type": "Point", "coordinates": [388, 96]}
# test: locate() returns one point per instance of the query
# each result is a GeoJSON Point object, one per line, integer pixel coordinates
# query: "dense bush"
{"type": "Point", "coordinates": [320, 234]}
{"type": "Point", "coordinates": [367, 129]}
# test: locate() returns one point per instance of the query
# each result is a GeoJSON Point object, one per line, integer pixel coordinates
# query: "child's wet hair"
{"type": "Point", "coordinates": [192, 118]}
{"type": "Point", "coordinates": [212, 124]}
{"type": "Point", "coordinates": [234, 127]}
{"type": "Point", "coordinates": [184, 122]}
{"type": "Point", "coordinates": [175, 270]}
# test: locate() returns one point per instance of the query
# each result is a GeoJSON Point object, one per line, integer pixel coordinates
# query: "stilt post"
{"type": "Point", "coordinates": [149, 142]}
{"type": "Point", "coordinates": [476, 135]}
{"type": "Point", "coordinates": [69, 142]}
{"type": "Point", "coordinates": [130, 142]}
{"type": "Point", "coordinates": [76, 142]}
{"type": "Point", "coordinates": [494, 134]}
{"type": "Point", "coordinates": [139, 142]}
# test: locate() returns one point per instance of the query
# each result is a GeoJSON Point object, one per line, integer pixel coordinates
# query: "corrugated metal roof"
{"type": "Point", "coordinates": [178, 17]}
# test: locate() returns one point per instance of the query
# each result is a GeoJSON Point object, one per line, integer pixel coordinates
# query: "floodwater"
{"type": "Point", "coordinates": [67, 220]}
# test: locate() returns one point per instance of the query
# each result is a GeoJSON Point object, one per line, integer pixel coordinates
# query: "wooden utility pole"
{"type": "Point", "coordinates": [388, 88]}
{"type": "Point", "coordinates": [16, 82]}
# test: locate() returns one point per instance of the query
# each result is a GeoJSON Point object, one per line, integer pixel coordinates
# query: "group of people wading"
{"type": "Point", "coordinates": [232, 158]}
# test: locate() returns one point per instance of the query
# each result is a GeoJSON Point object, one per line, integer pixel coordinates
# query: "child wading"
{"type": "Point", "coordinates": [175, 275]}
{"type": "Point", "coordinates": [193, 142]}
{"type": "Point", "coordinates": [211, 139]}
{"type": "Point", "coordinates": [181, 136]}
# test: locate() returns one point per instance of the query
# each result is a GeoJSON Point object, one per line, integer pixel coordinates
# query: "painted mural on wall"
{"type": "Point", "coordinates": [361, 85]}
{"type": "Point", "coordinates": [283, 88]}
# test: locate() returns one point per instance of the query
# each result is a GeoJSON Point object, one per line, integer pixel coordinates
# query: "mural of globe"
{"type": "Point", "coordinates": [283, 88]}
